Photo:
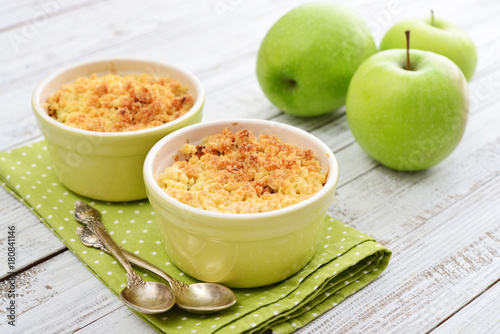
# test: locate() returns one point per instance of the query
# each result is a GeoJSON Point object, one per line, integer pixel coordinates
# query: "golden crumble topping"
{"type": "Point", "coordinates": [238, 173]}
{"type": "Point", "coordinates": [116, 103]}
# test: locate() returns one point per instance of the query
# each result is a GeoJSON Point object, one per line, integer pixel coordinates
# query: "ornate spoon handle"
{"type": "Point", "coordinates": [98, 228]}
{"type": "Point", "coordinates": [86, 214]}
{"type": "Point", "coordinates": [90, 239]}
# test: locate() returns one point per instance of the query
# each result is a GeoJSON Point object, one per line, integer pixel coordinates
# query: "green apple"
{"type": "Point", "coordinates": [436, 35]}
{"type": "Point", "coordinates": [408, 120]}
{"type": "Point", "coordinates": [308, 57]}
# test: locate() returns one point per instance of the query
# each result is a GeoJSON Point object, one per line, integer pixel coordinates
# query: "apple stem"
{"type": "Point", "coordinates": [407, 32]}
{"type": "Point", "coordinates": [432, 18]}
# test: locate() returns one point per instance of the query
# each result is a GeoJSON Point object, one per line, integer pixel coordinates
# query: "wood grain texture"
{"type": "Point", "coordinates": [482, 315]}
{"type": "Point", "coordinates": [59, 296]}
{"type": "Point", "coordinates": [442, 224]}
{"type": "Point", "coordinates": [33, 241]}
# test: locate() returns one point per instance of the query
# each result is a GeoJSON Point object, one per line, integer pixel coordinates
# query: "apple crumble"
{"type": "Point", "coordinates": [239, 173]}
{"type": "Point", "coordinates": [116, 103]}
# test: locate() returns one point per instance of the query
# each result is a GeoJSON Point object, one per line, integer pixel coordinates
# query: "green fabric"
{"type": "Point", "coordinates": [346, 259]}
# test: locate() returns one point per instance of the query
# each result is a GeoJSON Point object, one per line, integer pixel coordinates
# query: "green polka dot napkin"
{"type": "Point", "coordinates": [346, 259]}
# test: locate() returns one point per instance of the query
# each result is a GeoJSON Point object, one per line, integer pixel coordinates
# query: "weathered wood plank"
{"type": "Point", "coordinates": [26, 18]}
{"type": "Point", "coordinates": [482, 315]}
{"type": "Point", "coordinates": [32, 240]}
{"type": "Point", "coordinates": [129, 323]}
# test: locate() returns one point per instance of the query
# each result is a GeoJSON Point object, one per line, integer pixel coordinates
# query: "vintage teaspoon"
{"type": "Point", "coordinates": [142, 296]}
{"type": "Point", "coordinates": [196, 298]}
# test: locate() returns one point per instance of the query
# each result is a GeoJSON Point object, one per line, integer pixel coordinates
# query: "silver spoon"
{"type": "Point", "coordinates": [195, 298]}
{"type": "Point", "coordinates": [144, 297]}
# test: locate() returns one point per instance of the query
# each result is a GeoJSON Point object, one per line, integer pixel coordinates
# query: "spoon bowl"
{"type": "Point", "coordinates": [205, 298]}
{"type": "Point", "coordinates": [148, 298]}
{"type": "Point", "coordinates": [86, 214]}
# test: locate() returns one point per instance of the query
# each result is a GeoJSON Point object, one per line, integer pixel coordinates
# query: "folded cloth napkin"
{"type": "Point", "coordinates": [346, 259]}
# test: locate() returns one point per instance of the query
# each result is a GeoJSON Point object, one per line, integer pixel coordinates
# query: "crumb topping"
{"type": "Point", "coordinates": [239, 173]}
{"type": "Point", "coordinates": [116, 103]}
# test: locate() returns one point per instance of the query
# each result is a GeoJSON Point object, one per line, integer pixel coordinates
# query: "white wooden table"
{"type": "Point", "coordinates": [442, 224]}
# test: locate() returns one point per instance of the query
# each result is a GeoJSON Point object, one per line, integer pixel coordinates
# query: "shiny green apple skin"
{"type": "Point", "coordinates": [408, 120]}
{"type": "Point", "coordinates": [308, 57]}
{"type": "Point", "coordinates": [442, 38]}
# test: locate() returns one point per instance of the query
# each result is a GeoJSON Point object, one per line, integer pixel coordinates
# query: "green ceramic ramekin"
{"type": "Point", "coordinates": [103, 165]}
{"type": "Point", "coordinates": [239, 250]}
